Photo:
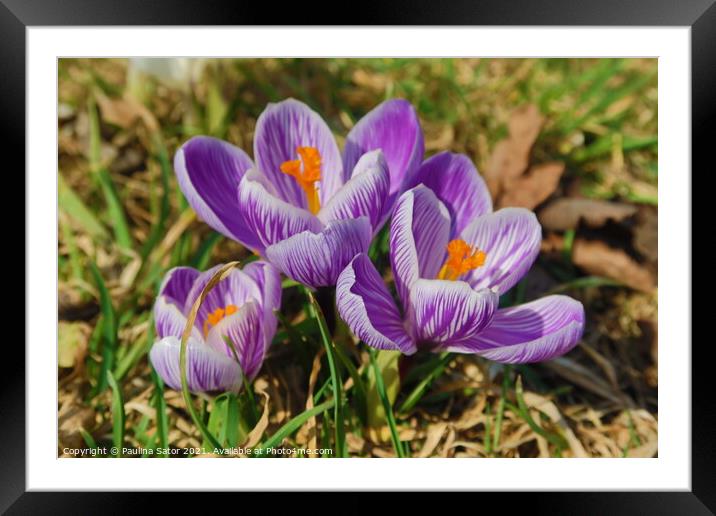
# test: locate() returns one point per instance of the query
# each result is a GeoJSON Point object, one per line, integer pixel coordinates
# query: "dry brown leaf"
{"type": "Point", "coordinates": [123, 112]}
{"type": "Point", "coordinates": [564, 214]}
{"type": "Point", "coordinates": [308, 432]}
{"type": "Point", "coordinates": [532, 189]}
{"type": "Point", "coordinates": [435, 433]}
{"type": "Point", "coordinates": [255, 435]}
{"type": "Point", "coordinates": [510, 157]}
{"type": "Point", "coordinates": [70, 420]}
{"type": "Point", "coordinates": [599, 259]}
{"type": "Point", "coordinates": [550, 409]}
{"type": "Point", "coordinates": [646, 233]}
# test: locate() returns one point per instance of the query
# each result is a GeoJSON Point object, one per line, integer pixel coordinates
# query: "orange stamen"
{"type": "Point", "coordinates": [217, 315]}
{"type": "Point", "coordinates": [461, 259]}
{"type": "Point", "coordinates": [307, 172]}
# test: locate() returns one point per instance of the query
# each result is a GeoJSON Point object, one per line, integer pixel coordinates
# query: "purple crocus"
{"type": "Point", "coordinates": [300, 203]}
{"type": "Point", "coordinates": [240, 307]}
{"type": "Point", "coordinates": [452, 258]}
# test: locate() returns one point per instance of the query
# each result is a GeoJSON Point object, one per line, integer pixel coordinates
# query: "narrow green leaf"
{"type": "Point", "coordinates": [115, 209]}
{"type": "Point", "coordinates": [201, 257]}
{"type": "Point", "coordinates": [420, 389]}
{"type": "Point", "coordinates": [118, 415]}
{"type": "Point", "coordinates": [501, 406]}
{"type": "Point", "coordinates": [585, 282]}
{"type": "Point", "coordinates": [158, 229]}
{"type": "Point", "coordinates": [293, 425]}
{"type": "Point", "coordinates": [160, 408]}
{"type": "Point", "coordinates": [523, 411]}
{"type": "Point", "coordinates": [109, 329]}
{"type": "Point", "coordinates": [328, 345]}
{"type": "Point", "coordinates": [88, 439]}
{"type": "Point", "coordinates": [397, 445]}
{"type": "Point", "coordinates": [70, 203]}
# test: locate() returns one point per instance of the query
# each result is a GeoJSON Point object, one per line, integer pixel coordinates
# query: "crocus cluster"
{"type": "Point", "coordinates": [311, 212]}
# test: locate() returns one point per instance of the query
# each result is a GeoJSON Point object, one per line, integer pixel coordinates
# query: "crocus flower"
{"type": "Point", "coordinates": [301, 204]}
{"type": "Point", "coordinates": [239, 308]}
{"type": "Point", "coordinates": [452, 258]}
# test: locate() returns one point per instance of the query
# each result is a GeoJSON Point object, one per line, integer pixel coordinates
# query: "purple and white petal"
{"type": "Point", "coordinates": [209, 171]}
{"type": "Point", "coordinates": [235, 289]}
{"type": "Point", "coordinates": [280, 130]}
{"type": "Point", "coordinates": [176, 284]}
{"type": "Point", "coordinates": [367, 307]}
{"type": "Point", "coordinates": [316, 259]}
{"type": "Point", "coordinates": [168, 320]}
{"type": "Point", "coordinates": [365, 194]}
{"type": "Point", "coordinates": [393, 127]}
{"type": "Point", "coordinates": [268, 279]}
{"type": "Point", "coordinates": [444, 312]}
{"type": "Point", "coordinates": [207, 370]}
{"type": "Point", "coordinates": [511, 240]}
{"type": "Point", "coordinates": [271, 218]}
{"type": "Point", "coordinates": [532, 332]}
{"type": "Point", "coordinates": [455, 181]}
{"type": "Point", "coordinates": [419, 233]}
{"type": "Point", "coordinates": [244, 329]}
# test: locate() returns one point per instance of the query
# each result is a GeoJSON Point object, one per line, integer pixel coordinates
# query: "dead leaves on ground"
{"type": "Point", "coordinates": [621, 242]}
{"type": "Point", "coordinates": [509, 176]}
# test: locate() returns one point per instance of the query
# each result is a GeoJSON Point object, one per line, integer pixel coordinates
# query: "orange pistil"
{"type": "Point", "coordinates": [307, 172]}
{"type": "Point", "coordinates": [461, 259]}
{"type": "Point", "coordinates": [217, 315]}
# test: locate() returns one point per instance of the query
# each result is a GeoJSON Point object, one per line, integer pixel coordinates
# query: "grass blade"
{"type": "Point", "coordinates": [420, 389]}
{"type": "Point", "coordinates": [317, 313]}
{"type": "Point", "coordinates": [118, 415]}
{"type": "Point", "coordinates": [397, 445]}
{"type": "Point", "coordinates": [501, 407]}
{"type": "Point", "coordinates": [160, 408]}
{"type": "Point", "coordinates": [157, 230]}
{"type": "Point", "coordinates": [111, 198]}
{"type": "Point", "coordinates": [70, 203]}
{"type": "Point", "coordinates": [293, 425]}
{"type": "Point", "coordinates": [109, 329]}
{"type": "Point", "coordinates": [201, 258]}
{"type": "Point", "coordinates": [522, 409]}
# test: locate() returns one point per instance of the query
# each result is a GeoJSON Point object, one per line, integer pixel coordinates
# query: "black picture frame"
{"type": "Point", "coordinates": [700, 15]}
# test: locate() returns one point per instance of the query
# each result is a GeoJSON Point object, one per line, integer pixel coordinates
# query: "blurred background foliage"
{"type": "Point", "coordinates": [573, 139]}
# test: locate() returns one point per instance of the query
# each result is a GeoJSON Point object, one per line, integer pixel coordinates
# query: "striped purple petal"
{"type": "Point", "coordinates": [532, 332]}
{"type": "Point", "coordinates": [364, 195]}
{"type": "Point", "coordinates": [511, 240]}
{"type": "Point", "coordinates": [209, 171]}
{"type": "Point", "coordinates": [268, 279]}
{"type": "Point", "coordinates": [283, 127]}
{"type": "Point", "coordinates": [207, 369]}
{"type": "Point", "coordinates": [443, 312]}
{"type": "Point", "coordinates": [419, 233]}
{"type": "Point", "coordinates": [393, 127]}
{"type": "Point", "coordinates": [455, 181]}
{"type": "Point", "coordinates": [367, 307]}
{"type": "Point", "coordinates": [176, 284]}
{"type": "Point", "coordinates": [316, 259]}
{"type": "Point", "coordinates": [244, 329]}
{"type": "Point", "coordinates": [273, 219]}
{"type": "Point", "coordinates": [169, 320]}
